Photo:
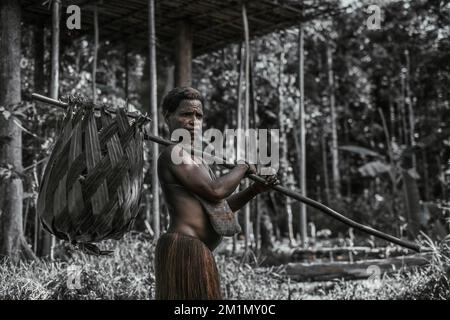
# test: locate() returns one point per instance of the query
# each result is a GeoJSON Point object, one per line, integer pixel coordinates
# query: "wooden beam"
{"type": "Point", "coordinates": [183, 55]}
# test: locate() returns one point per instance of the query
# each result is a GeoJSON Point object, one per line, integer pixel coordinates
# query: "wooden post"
{"type": "Point", "coordinates": [301, 120]}
{"type": "Point", "coordinates": [246, 114]}
{"type": "Point", "coordinates": [94, 62]}
{"type": "Point", "coordinates": [183, 55]}
{"type": "Point", "coordinates": [154, 115]}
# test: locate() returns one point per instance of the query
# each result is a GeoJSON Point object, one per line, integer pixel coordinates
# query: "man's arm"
{"type": "Point", "coordinates": [196, 179]}
{"type": "Point", "coordinates": [240, 199]}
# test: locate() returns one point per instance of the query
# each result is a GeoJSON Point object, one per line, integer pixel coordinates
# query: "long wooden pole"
{"type": "Point", "coordinates": [154, 115]}
{"type": "Point", "coordinates": [281, 189]}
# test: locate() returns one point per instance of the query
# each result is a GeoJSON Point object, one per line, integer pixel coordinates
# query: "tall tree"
{"type": "Point", "coordinates": [301, 120]}
{"type": "Point", "coordinates": [334, 135]}
{"type": "Point", "coordinates": [12, 240]}
{"type": "Point", "coordinates": [94, 62]}
{"type": "Point", "coordinates": [283, 141]}
{"type": "Point", "coordinates": [154, 114]}
{"type": "Point", "coordinates": [246, 114]}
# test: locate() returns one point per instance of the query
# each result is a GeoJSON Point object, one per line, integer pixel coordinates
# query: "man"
{"type": "Point", "coordinates": [184, 264]}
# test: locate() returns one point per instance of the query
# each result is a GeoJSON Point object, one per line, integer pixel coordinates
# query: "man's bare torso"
{"type": "Point", "coordinates": [187, 215]}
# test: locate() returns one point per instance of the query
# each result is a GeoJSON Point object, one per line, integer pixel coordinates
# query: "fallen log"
{"type": "Point", "coordinates": [349, 271]}
{"type": "Point", "coordinates": [284, 255]}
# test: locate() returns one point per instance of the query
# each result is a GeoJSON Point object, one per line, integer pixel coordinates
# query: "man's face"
{"type": "Point", "coordinates": [188, 115]}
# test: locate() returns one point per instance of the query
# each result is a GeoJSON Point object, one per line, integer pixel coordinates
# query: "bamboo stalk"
{"type": "Point", "coordinates": [281, 189]}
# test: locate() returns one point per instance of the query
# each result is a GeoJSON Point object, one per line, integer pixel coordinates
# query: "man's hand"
{"type": "Point", "coordinates": [271, 181]}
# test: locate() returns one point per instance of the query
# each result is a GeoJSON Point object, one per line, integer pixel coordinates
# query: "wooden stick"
{"type": "Point", "coordinates": [283, 190]}
{"type": "Point", "coordinates": [64, 105]}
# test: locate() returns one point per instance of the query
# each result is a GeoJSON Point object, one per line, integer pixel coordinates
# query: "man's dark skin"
{"type": "Point", "coordinates": [179, 181]}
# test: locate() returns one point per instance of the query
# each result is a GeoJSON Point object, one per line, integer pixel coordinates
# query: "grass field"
{"type": "Point", "coordinates": [128, 274]}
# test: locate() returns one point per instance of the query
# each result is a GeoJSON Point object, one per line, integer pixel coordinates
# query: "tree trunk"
{"type": "Point", "coordinates": [12, 240]}
{"type": "Point", "coordinates": [441, 174]}
{"type": "Point", "coordinates": [246, 119]}
{"type": "Point", "coordinates": [54, 84]}
{"type": "Point", "coordinates": [412, 202]}
{"type": "Point", "coordinates": [39, 50]}
{"type": "Point", "coordinates": [334, 136]}
{"type": "Point", "coordinates": [48, 241]}
{"type": "Point", "coordinates": [267, 233]}
{"type": "Point", "coordinates": [302, 142]}
{"type": "Point", "coordinates": [183, 54]}
{"type": "Point", "coordinates": [403, 110]}
{"type": "Point", "coordinates": [239, 117]}
{"type": "Point", "coordinates": [255, 121]}
{"type": "Point", "coordinates": [154, 115]}
{"type": "Point", "coordinates": [285, 167]}
{"type": "Point", "coordinates": [94, 62]}
{"type": "Point", "coordinates": [425, 176]}
{"type": "Point", "coordinates": [323, 143]}
{"type": "Point", "coordinates": [126, 72]}
{"type": "Point", "coordinates": [408, 99]}
{"type": "Point", "coordinates": [39, 86]}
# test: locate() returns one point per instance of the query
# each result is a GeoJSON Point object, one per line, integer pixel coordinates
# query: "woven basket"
{"type": "Point", "coordinates": [92, 182]}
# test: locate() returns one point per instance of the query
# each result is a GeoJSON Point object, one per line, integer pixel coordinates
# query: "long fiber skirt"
{"type": "Point", "coordinates": [185, 269]}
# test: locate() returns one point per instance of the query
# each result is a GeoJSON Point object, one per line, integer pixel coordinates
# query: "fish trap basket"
{"type": "Point", "coordinates": [92, 182]}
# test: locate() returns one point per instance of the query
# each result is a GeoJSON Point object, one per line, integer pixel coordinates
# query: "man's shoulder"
{"type": "Point", "coordinates": [167, 155]}
{"type": "Point", "coordinates": [164, 155]}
